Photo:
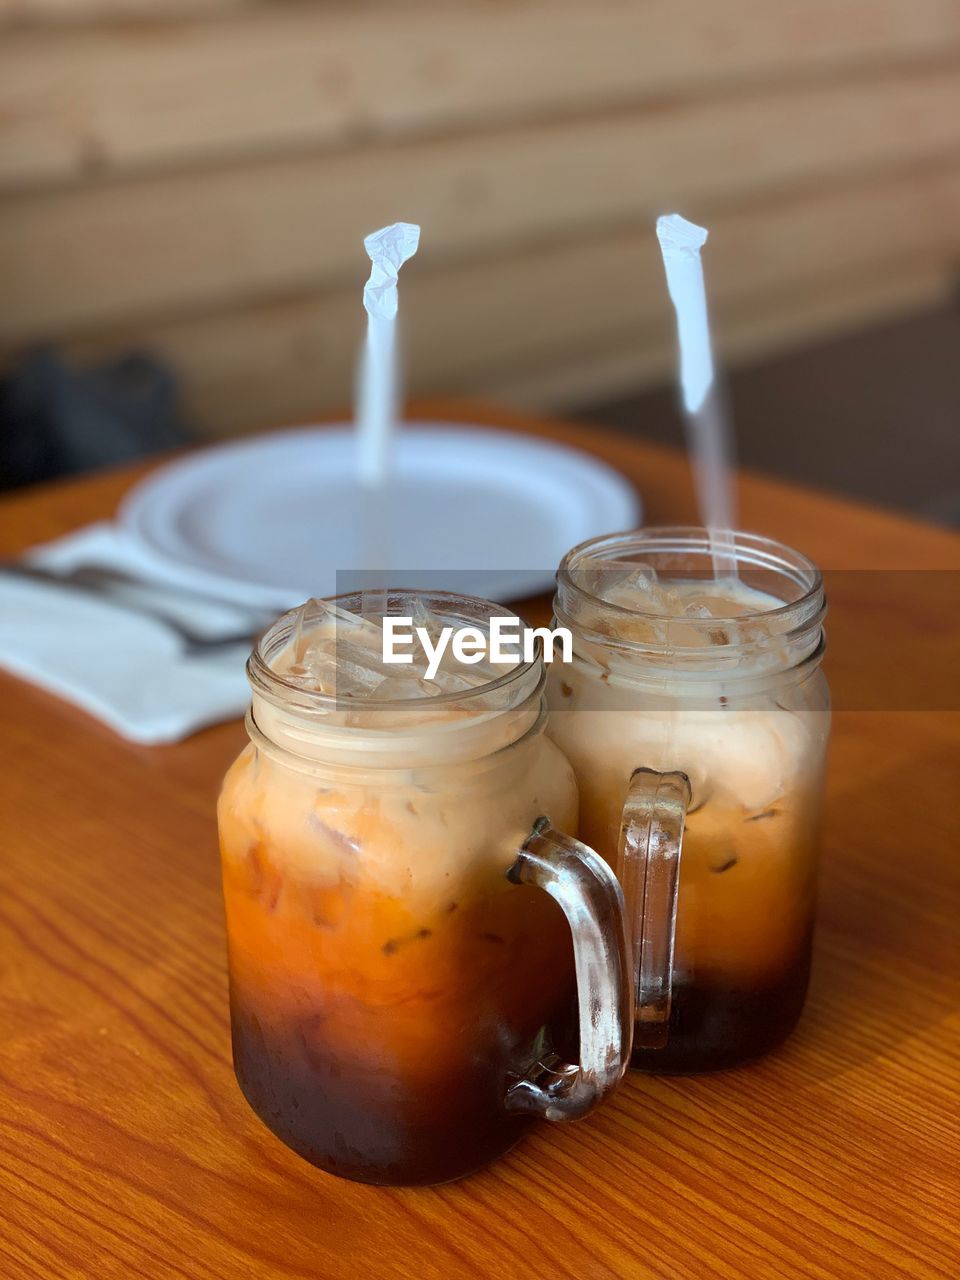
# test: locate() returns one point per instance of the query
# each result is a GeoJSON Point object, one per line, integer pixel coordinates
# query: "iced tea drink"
{"type": "Point", "coordinates": [403, 990]}
{"type": "Point", "coordinates": [696, 718]}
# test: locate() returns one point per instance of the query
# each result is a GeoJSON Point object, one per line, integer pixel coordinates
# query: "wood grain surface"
{"type": "Point", "coordinates": [123, 97]}
{"type": "Point", "coordinates": [127, 1151]}
{"type": "Point", "coordinates": [782, 270]}
{"type": "Point", "coordinates": [220, 236]}
{"type": "Point", "coordinates": [191, 178]}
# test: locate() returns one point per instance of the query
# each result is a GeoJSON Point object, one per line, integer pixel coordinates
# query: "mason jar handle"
{"type": "Point", "coordinates": [587, 890]}
{"type": "Point", "coordinates": [651, 842]}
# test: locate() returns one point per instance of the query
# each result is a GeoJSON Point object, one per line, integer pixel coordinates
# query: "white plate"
{"type": "Point", "coordinates": [277, 519]}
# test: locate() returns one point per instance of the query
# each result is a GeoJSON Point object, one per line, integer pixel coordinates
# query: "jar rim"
{"type": "Point", "coordinates": [579, 606]}
{"type": "Point", "coordinates": [759, 550]}
{"type": "Point", "coordinates": [286, 693]}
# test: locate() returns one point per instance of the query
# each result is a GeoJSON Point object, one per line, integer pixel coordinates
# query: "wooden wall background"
{"type": "Point", "coordinates": [195, 176]}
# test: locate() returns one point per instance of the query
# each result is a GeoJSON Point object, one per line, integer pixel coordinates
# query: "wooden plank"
{"type": "Point", "coordinates": [604, 365]}
{"type": "Point", "coordinates": [283, 76]}
{"type": "Point", "coordinates": [504, 322]}
{"type": "Point", "coordinates": [593, 371]}
{"type": "Point", "coordinates": [88, 257]}
{"type": "Point", "coordinates": [30, 13]}
{"type": "Point", "coordinates": [745, 329]}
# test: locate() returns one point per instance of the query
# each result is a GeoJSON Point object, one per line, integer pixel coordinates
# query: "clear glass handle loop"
{"type": "Point", "coordinates": [651, 842]}
{"type": "Point", "coordinates": [587, 890]}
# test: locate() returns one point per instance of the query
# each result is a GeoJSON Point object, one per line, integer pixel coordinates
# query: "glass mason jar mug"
{"type": "Point", "coordinates": [696, 718]}
{"type": "Point", "coordinates": [401, 985]}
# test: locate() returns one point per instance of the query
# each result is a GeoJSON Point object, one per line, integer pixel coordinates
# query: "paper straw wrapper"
{"type": "Point", "coordinates": [388, 249]}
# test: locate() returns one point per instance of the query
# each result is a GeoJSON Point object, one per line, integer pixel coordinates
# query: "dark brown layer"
{"type": "Point", "coordinates": [364, 1121]}
{"type": "Point", "coordinates": [715, 1024]}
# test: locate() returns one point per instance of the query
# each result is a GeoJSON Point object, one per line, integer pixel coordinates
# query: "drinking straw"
{"type": "Point", "coordinates": [378, 399]}
{"type": "Point", "coordinates": [708, 435]}
{"type": "Point", "coordinates": [377, 395]}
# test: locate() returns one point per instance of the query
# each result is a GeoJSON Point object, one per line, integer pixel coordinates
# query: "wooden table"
{"type": "Point", "coordinates": [126, 1149]}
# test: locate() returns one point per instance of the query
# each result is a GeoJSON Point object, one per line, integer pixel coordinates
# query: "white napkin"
{"type": "Point", "coordinates": [128, 669]}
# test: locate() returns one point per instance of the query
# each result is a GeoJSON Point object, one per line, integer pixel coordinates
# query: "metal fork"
{"type": "Point", "coordinates": [96, 581]}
